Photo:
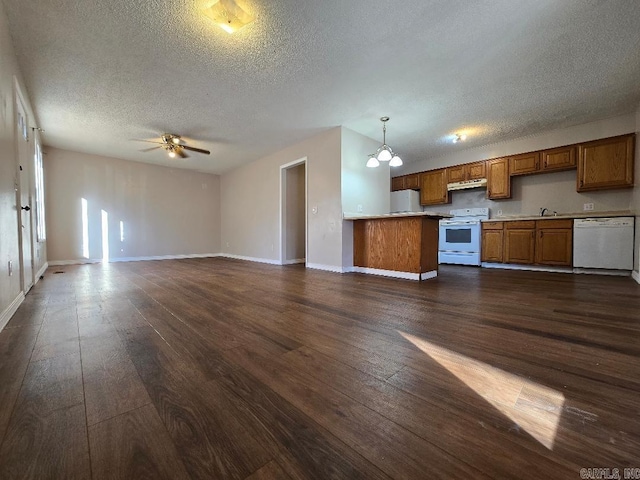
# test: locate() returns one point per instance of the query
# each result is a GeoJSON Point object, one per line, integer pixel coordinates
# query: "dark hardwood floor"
{"type": "Point", "coordinates": [223, 369]}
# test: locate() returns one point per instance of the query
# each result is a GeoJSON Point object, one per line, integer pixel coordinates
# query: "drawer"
{"type": "Point", "coordinates": [492, 225]}
{"type": "Point", "coordinates": [520, 225]}
{"type": "Point", "coordinates": [562, 223]}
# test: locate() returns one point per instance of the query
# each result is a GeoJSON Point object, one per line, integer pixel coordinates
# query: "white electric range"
{"type": "Point", "coordinates": [460, 236]}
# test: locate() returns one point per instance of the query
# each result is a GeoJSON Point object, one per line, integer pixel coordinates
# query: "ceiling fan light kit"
{"type": "Point", "coordinates": [175, 147]}
{"type": "Point", "coordinates": [228, 15]}
{"type": "Point", "coordinates": [384, 152]}
{"type": "Point", "coordinates": [459, 137]}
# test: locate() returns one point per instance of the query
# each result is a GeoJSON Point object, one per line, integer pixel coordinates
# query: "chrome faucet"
{"type": "Point", "coordinates": [542, 211]}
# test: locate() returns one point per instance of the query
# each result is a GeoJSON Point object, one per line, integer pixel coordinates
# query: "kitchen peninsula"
{"type": "Point", "coordinates": [403, 245]}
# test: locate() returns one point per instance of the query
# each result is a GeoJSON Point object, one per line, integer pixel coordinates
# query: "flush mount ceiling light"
{"type": "Point", "coordinates": [228, 15]}
{"type": "Point", "coordinates": [384, 153]}
{"type": "Point", "coordinates": [459, 137]}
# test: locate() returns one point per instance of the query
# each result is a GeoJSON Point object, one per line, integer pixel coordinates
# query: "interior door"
{"type": "Point", "coordinates": [24, 197]}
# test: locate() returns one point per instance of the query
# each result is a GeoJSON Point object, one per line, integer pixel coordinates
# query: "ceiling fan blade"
{"type": "Point", "coordinates": [181, 153]}
{"type": "Point", "coordinates": [149, 141]}
{"type": "Point", "coordinates": [193, 149]}
{"type": "Point", "coordinates": [149, 149]}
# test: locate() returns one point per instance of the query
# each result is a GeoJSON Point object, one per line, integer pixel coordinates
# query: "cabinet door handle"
{"type": "Point", "coordinates": [581, 183]}
{"type": "Point", "coordinates": [541, 234]}
{"type": "Point", "coordinates": [537, 165]}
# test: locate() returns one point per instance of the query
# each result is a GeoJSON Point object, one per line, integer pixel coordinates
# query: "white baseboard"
{"type": "Point", "coordinates": [602, 271]}
{"type": "Point", "coordinates": [535, 268]}
{"type": "Point", "coordinates": [636, 276]}
{"type": "Point", "coordinates": [133, 259]}
{"type": "Point", "coordinates": [56, 263]}
{"type": "Point", "coordinates": [251, 259]}
{"type": "Point", "coordinates": [294, 261]}
{"type": "Point", "coordinates": [164, 257]}
{"type": "Point", "coordinates": [10, 310]}
{"type": "Point", "coordinates": [327, 268]}
{"type": "Point", "coordinates": [395, 274]}
{"type": "Point", "coordinates": [41, 272]}
{"type": "Point", "coordinates": [428, 275]}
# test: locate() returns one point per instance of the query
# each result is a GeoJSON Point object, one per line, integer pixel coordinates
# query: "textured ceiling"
{"type": "Point", "coordinates": [101, 74]}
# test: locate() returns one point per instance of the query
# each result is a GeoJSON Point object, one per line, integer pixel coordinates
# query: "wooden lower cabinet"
{"type": "Point", "coordinates": [554, 242]}
{"type": "Point", "coordinates": [403, 244]}
{"type": "Point", "coordinates": [529, 242]}
{"type": "Point", "coordinates": [492, 244]}
{"type": "Point", "coordinates": [519, 242]}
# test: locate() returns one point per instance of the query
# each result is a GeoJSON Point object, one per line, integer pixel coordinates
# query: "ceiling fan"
{"type": "Point", "coordinates": [174, 146]}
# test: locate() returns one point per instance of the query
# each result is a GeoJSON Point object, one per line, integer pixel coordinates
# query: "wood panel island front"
{"type": "Point", "coordinates": [403, 245]}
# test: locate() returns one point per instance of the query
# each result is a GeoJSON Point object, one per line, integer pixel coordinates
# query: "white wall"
{"type": "Point", "coordinates": [10, 286]}
{"type": "Point", "coordinates": [367, 187]}
{"type": "Point", "coordinates": [250, 199]}
{"type": "Point", "coordinates": [555, 191]}
{"type": "Point", "coordinates": [164, 211]}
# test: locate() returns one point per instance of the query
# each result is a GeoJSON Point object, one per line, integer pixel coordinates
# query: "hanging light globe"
{"type": "Point", "coordinates": [385, 152]}
{"type": "Point", "coordinates": [373, 162]}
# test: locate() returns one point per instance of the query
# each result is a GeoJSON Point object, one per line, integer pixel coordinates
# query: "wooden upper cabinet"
{"type": "Point", "coordinates": [498, 183]}
{"type": "Point", "coordinates": [525, 163]}
{"type": "Point", "coordinates": [563, 158]}
{"type": "Point", "coordinates": [457, 173]}
{"type": "Point", "coordinates": [412, 181]}
{"type": "Point", "coordinates": [555, 159]}
{"type": "Point", "coordinates": [476, 171]}
{"type": "Point", "coordinates": [606, 163]}
{"type": "Point", "coordinates": [468, 171]}
{"type": "Point", "coordinates": [433, 187]}
{"type": "Point", "coordinates": [406, 182]}
{"type": "Point", "coordinates": [554, 242]}
{"type": "Point", "coordinates": [397, 183]}
{"type": "Point", "coordinates": [519, 242]}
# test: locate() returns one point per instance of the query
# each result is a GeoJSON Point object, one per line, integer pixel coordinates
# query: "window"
{"type": "Point", "coordinates": [40, 223]}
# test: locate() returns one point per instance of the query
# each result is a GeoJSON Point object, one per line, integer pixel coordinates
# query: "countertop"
{"type": "Point", "coordinates": [435, 215]}
{"type": "Point", "coordinates": [512, 218]}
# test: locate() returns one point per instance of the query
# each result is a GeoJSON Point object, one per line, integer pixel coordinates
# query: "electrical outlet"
{"type": "Point", "coordinates": [587, 207]}
{"type": "Point", "coordinates": [227, 244]}
{"type": "Point", "coordinates": [10, 268]}
{"type": "Point", "coordinates": [359, 208]}
{"type": "Point", "coordinates": [499, 213]}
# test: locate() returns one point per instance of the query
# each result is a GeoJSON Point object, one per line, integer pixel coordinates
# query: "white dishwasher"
{"type": "Point", "coordinates": [605, 243]}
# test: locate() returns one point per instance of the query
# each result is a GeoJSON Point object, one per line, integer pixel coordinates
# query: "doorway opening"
{"type": "Point", "coordinates": [293, 212]}
{"type": "Point", "coordinates": [24, 167]}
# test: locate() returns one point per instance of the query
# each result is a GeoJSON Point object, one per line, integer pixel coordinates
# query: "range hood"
{"type": "Point", "coordinates": [480, 182]}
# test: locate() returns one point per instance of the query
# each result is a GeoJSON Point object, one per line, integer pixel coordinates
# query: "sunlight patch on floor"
{"type": "Point", "coordinates": [535, 408]}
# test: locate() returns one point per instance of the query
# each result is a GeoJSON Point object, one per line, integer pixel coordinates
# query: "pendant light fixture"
{"type": "Point", "coordinates": [384, 153]}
